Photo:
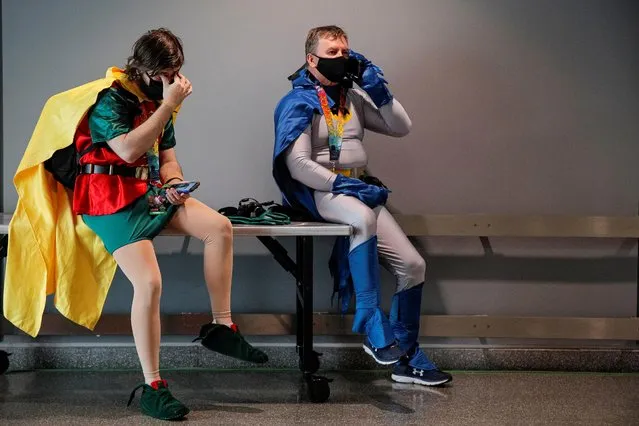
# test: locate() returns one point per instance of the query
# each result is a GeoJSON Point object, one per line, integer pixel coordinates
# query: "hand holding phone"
{"type": "Point", "coordinates": [185, 187]}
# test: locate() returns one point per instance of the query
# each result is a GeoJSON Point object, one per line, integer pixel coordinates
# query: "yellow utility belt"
{"type": "Point", "coordinates": [351, 173]}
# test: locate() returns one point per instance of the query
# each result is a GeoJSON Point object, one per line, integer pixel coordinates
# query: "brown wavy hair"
{"type": "Point", "coordinates": [155, 51]}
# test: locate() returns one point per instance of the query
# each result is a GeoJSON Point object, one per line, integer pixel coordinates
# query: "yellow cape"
{"type": "Point", "coordinates": [51, 250]}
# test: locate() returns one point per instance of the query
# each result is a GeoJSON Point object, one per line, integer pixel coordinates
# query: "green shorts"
{"type": "Point", "coordinates": [129, 225]}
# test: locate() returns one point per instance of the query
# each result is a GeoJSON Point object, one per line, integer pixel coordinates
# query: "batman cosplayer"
{"type": "Point", "coordinates": [318, 164]}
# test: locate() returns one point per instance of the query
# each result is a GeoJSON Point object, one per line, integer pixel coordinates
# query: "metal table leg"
{"type": "Point", "coordinates": [317, 387]}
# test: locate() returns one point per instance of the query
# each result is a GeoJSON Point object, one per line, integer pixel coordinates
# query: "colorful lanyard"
{"type": "Point", "coordinates": [334, 122]}
{"type": "Point", "coordinates": [153, 153]}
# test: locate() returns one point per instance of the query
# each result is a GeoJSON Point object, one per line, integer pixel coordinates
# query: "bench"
{"type": "Point", "coordinates": [305, 323]}
{"type": "Point", "coordinates": [301, 269]}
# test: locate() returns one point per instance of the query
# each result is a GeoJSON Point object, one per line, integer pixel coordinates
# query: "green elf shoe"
{"type": "Point", "coordinates": [229, 341]}
{"type": "Point", "coordinates": [157, 402]}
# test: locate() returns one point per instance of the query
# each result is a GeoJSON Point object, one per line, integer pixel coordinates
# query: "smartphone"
{"type": "Point", "coordinates": [353, 69]}
{"type": "Point", "coordinates": [185, 187]}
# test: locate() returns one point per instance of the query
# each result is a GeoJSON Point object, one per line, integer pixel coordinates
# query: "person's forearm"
{"type": "Point", "coordinates": [131, 146]}
{"type": "Point", "coordinates": [396, 118]}
{"type": "Point", "coordinates": [170, 170]}
{"type": "Point", "coordinates": [303, 169]}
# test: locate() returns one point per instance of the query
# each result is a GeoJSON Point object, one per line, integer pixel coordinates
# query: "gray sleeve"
{"type": "Point", "coordinates": [303, 168]}
{"type": "Point", "coordinates": [391, 119]}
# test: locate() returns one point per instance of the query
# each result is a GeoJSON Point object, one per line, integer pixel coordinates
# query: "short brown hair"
{"type": "Point", "coordinates": [155, 51]}
{"type": "Point", "coordinates": [330, 31]}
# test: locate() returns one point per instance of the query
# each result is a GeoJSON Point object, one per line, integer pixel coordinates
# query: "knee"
{"type": "Point", "coordinates": [149, 289]}
{"type": "Point", "coordinates": [415, 271]}
{"type": "Point", "coordinates": [219, 229]}
{"type": "Point", "coordinates": [366, 223]}
{"type": "Point", "coordinates": [223, 227]}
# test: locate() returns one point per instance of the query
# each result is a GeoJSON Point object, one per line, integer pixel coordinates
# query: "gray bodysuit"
{"type": "Point", "coordinates": [308, 161]}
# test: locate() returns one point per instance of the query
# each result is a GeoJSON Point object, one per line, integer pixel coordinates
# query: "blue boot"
{"type": "Point", "coordinates": [414, 367]}
{"type": "Point", "coordinates": [369, 318]}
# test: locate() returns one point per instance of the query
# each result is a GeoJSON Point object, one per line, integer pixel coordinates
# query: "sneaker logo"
{"type": "Point", "coordinates": [416, 372]}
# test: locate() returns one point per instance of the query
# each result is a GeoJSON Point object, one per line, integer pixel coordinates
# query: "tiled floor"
{"type": "Point", "coordinates": [369, 398]}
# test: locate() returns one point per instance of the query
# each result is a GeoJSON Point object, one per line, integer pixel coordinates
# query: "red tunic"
{"type": "Point", "coordinates": [100, 194]}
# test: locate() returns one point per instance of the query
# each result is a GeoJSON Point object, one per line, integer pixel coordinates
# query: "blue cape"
{"type": "Point", "coordinates": [293, 114]}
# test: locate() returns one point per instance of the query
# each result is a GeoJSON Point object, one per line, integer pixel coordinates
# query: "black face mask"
{"type": "Point", "coordinates": [334, 69]}
{"type": "Point", "coordinates": [154, 90]}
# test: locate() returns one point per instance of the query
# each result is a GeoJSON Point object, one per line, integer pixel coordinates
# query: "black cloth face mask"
{"type": "Point", "coordinates": [154, 90]}
{"type": "Point", "coordinates": [334, 69]}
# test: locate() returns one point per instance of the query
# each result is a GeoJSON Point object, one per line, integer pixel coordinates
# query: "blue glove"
{"type": "Point", "coordinates": [370, 195]}
{"type": "Point", "coordinates": [372, 81]}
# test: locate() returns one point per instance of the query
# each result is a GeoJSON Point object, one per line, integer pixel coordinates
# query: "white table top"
{"type": "Point", "coordinates": [295, 229]}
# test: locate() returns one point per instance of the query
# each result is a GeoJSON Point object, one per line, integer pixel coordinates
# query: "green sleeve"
{"type": "Point", "coordinates": [111, 116]}
{"type": "Point", "coordinates": [168, 137]}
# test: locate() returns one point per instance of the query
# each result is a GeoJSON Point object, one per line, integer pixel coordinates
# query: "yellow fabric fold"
{"type": "Point", "coordinates": [51, 250]}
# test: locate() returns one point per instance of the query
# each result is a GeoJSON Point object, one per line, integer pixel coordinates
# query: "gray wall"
{"type": "Point", "coordinates": [518, 107]}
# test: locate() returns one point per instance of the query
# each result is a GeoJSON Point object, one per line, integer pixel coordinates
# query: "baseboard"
{"type": "Point", "coordinates": [179, 353]}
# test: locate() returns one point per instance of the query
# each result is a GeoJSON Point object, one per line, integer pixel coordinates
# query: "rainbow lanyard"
{"type": "Point", "coordinates": [334, 122]}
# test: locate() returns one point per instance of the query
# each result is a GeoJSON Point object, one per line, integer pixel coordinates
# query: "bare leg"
{"type": "Point", "coordinates": [139, 264]}
{"type": "Point", "coordinates": [200, 221]}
